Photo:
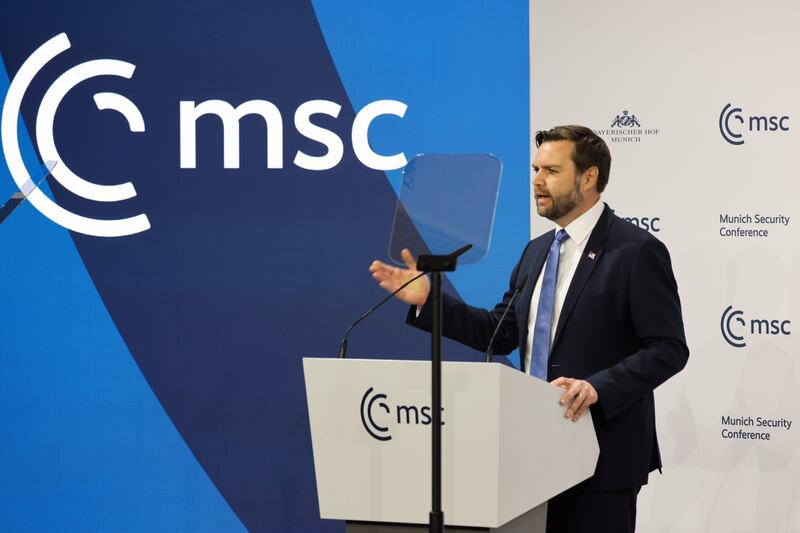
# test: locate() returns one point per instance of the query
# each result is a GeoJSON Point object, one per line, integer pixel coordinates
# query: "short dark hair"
{"type": "Point", "coordinates": [589, 149]}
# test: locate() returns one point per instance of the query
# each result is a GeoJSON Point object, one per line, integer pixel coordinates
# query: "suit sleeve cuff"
{"type": "Point", "coordinates": [420, 316]}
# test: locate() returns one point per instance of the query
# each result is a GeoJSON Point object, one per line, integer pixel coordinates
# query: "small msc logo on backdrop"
{"type": "Point", "coordinates": [733, 124]}
{"type": "Point", "coordinates": [377, 415]}
{"type": "Point", "coordinates": [626, 128]}
{"type": "Point", "coordinates": [648, 223]}
{"type": "Point", "coordinates": [736, 328]}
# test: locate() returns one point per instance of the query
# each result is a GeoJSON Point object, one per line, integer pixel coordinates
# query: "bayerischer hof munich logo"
{"type": "Point", "coordinates": [626, 128]}
{"type": "Point", "coordinates": [626, 121]}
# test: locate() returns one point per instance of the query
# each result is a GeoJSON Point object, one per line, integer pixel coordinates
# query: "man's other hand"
{"type": "Point", "coordinates": [391, 278]}
{"type": "Point", "coordinates": [579, 395]}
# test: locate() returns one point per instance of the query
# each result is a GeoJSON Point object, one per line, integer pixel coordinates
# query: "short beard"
{"type": "Point", "coordinates": [564, 204]}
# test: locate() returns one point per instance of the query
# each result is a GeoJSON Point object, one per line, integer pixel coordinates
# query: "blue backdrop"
{"type": "Point", "coordinates": [153, 382]}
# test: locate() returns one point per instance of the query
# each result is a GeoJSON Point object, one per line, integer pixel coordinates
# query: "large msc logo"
{"type": "Point", "coordinates": [735, 328]}
{"type": "Point", "coordinates": [47, 146]}
{"type": "Point", "coordinates": [733, 124]}
{"type": "Point", "coordinates": [377, 415]}
{"type": "Point", "coordinates": [228, 116]}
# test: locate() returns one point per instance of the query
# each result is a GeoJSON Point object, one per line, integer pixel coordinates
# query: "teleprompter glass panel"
{"type": "Point", "coordinates": [445, 202]}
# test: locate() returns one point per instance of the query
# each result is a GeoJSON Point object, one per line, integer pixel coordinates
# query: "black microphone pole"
{"type": "Point", "coordinates": [436, 517]}
{"type": "Point", "coordinates": [519, 287]}
{"type": "Point", "coordinates": [435, 265]}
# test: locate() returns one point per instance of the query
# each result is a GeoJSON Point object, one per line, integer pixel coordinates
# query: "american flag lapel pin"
{"type": "Point", "coordinates": [592, 255]}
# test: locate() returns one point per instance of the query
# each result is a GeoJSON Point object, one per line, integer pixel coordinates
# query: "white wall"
{"type": "Point", "coordinates": [675, 66]}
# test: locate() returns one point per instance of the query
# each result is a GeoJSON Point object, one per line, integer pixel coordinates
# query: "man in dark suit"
{"type": "Point", "coordinates": [599, 317]}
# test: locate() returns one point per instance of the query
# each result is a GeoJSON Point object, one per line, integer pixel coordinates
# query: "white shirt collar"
{"type": "Point", "coordinates": [580, 228]}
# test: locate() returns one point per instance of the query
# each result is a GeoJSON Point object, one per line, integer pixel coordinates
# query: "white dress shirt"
{"type": "Point", "coordinates": [570, 253]}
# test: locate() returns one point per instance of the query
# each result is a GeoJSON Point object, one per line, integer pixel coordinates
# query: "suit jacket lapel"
{"type": "Point", "coordinates": [590, 257]}
{"type": "Point", "coordinates": [534, 270]}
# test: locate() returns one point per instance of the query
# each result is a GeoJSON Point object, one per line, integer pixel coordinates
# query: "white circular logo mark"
{"type": "Point", "coordinates": [47, 147]}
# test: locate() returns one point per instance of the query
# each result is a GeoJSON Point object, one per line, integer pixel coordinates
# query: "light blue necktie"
{"type": "Point", "coordinates": [540, 352]}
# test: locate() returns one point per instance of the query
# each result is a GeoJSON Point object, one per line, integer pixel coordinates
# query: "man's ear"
{"type": "Point", "coordinates": [589, 178]}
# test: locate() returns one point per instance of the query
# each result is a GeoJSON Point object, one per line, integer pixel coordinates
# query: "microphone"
{"type": "Point", "coordinates": [520, 286]}
{"type": "Point", "coordinates": [343, 345]}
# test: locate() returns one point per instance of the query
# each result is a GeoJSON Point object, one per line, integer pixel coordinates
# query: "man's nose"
{"type": "Point", "coordinates": [538, 179]}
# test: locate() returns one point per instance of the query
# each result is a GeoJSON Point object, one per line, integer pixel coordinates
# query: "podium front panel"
{"type": "Point", "coordinates": [370, 430]}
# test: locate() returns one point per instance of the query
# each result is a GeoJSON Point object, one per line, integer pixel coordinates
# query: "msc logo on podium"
{"type": "Point", "coordinates": [374, 405]}
{"type": "Point", "coordinates": [734, 327]}
{"type": "Point", "coordinates": [373, 428]}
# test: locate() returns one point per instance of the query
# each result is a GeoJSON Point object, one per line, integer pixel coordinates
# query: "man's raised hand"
{"type": "Point", "coordinates": [391, 278]}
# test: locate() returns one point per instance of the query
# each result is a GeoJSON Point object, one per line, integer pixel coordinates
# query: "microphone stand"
{"type": "Point", "coordinates": [490, 348]}
{"type": "Point", "coordinates": [435, 265]}
{"type": "Point", "coordinates": [343, 345]}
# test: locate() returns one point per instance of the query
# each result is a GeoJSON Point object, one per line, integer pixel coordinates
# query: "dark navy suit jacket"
{"type": "Point", "coordinates": [620, 328]}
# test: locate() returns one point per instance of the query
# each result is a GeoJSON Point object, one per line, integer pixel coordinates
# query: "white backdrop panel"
{"type": "Point", "coordinates": [654, 79]}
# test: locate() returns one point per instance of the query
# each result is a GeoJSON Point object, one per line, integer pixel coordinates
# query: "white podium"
{"type": "Point", "coordinates": [506, 446]}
